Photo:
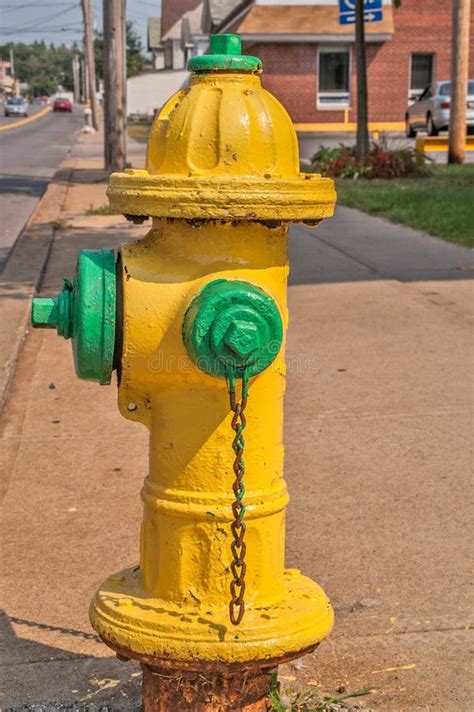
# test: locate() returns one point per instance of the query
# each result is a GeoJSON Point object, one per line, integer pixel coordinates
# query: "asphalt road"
{"type": "Point", "coordinates": [29, 156]}
{"type": "Point", "coordinates": [32, 110]}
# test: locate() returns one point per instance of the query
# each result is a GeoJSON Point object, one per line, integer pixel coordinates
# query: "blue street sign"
{"type": "Point", "coordinates": [373, 11]}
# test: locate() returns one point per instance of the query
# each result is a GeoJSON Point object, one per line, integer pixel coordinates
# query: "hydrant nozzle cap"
{"type": "Point", "coordinates": [85, 312]}
{"type": "Point", "coordinates": [225, 55]}
{"type": "Point", "coordinates": [232, 324]}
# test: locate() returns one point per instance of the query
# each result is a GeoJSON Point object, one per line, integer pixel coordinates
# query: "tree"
{"type": "Point", "coordinates": [43, 68]}
{"type": "Point", "coordinates": [135, 58]}
{"type": "Point", "coordinates": [459, 79]}
{"type": "Point", "coordinates": [362, 141]}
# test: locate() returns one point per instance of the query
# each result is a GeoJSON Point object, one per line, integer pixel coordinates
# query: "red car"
{"type": "Point", "coordinates": [62, 104]}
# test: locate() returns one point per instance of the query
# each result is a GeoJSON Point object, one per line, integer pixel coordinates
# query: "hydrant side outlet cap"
{"type": "Point", "coordinates": [94, 315]}
{"type": "Point", "coordinates": [232, 324]}
{"type": "Point", "coordinates": [225, 55]}
{"type": "Point", "coordinates": [85, 312]}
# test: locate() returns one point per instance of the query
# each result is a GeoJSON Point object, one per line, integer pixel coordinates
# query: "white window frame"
{"type": "Point", "coordinates": [414, 94]}
{"type": "Point", "coordinates": [346, 101]}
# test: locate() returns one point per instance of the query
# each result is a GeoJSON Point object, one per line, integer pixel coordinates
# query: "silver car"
{"type": "Point", "coordinates": [16, 106]}
{"type": "Point", "coordinates": [430, 112]}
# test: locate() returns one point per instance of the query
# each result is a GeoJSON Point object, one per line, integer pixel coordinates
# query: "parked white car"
{"type": "Point", "coordinates": [16, 106]}
{"type": "Point", "coordinates": [430, 112]}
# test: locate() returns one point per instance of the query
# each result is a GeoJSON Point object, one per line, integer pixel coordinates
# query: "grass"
{"type": "Point", "coordinates": [139, 132]}
{"type": "Point", "coordinates": [310, 700]}
{"type": "Point", "coordinates": [442, 204]}
{"type": "Point", "coordinates": [101, 210]}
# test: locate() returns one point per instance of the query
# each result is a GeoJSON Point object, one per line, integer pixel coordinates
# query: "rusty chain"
{"type": "Point", "coordinates": [238, 527]}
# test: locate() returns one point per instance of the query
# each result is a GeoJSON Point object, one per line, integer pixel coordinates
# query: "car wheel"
{"type": "Point", "coordinates": [430, 126]}
{"type": "Point", "coordinates": [409, 130]}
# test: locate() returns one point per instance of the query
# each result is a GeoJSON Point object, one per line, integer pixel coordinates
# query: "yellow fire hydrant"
{"type": "Point", "coordinates": [198, 344]}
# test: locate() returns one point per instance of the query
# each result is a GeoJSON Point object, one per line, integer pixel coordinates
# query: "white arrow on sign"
{"type": "Point", "coordinates": [350, 17]}
{"type": "Point", "coordinates": [352, 3]}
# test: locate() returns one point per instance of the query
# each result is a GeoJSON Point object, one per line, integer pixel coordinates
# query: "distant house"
{"type": "Point", "coordinates": [216, 11]}
{"type": "Point", "coordinates": [173, 12]}
{"type": "Point", "coordinates": [154, 43]}
{"type": "Point", "coordinates": [6, 79]}
{"type": "Point", "coordinates": [309, 62]}
{"type": "Point", "coordinates": [186, 25]}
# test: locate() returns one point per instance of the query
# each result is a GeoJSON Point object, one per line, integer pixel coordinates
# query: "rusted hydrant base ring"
{"type": "Point", "coordinates": [166, 690]}
{"type": "Point", "coordinates": [207, 686]}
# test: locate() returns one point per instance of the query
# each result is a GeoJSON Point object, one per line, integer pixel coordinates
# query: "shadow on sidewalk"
{"type": "Point", "coordinates": [37, 673]}
{"type": "Point", "coordinates": [81, 175]}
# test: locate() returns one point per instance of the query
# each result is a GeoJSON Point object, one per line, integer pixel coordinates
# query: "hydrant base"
{"type": "Point", "coordinates": [166, 689]}
{"type": "Point", "coordinates": [126, 618]}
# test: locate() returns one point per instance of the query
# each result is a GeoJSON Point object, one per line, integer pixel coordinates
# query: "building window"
{"type": "Point", "coordinates": [421, 73]}
{"type": "Point", "coordinates": [333, 77]}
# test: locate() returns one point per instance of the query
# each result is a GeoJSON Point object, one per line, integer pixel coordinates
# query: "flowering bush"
{"type": "Point", "coordinates": [381, 162]}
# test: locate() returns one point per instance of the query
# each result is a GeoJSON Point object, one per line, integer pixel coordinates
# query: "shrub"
{"type": "Point", "coordinates": [381, 162]}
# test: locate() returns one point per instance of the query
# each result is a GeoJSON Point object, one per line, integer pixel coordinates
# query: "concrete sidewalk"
{"type": "Point", "coordinates": [378, 439]}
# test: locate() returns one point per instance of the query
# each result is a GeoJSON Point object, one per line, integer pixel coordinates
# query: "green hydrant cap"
{"type": "Point", "coordinates": [85, 312]}
{"type": "Point", "coordinates": [232, 324]}
{"type": "Point", "coordinates": [225, 55]}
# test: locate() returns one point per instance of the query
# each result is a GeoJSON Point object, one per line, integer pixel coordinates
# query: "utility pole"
{"type": "Point", "coordinates": [75, 79]}
{"type": "Point", "coordinates": [84, 87]}
{"type": "Point", "coordinates": [114, 85]}
{"type": "Point", "coordinates": [90, 59]}
{"type": "Point", "coordinates": [12, 63]}
{"type": "Point", "coordinates": [362, 141]}
{"type": "Point", "coordinates": [459, 79]}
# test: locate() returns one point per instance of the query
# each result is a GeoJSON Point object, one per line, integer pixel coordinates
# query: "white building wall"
{"type": "Point", "coordinates": [178, 55]}
{"type": "Point", "coordinates": [148, 92]}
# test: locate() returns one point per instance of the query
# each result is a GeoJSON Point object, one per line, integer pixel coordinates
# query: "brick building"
{"type": "Point", "coordinates": [309, 62]}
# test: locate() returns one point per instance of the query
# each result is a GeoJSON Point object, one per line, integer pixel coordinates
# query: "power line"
{"type": "Point", "coordinates": [33, 4]}
{"type": "Point", "coordinates": [44, 33]}
{"type": "Point", "coordinates": [55, 28]}
{"type": "Point", "coordinates": [26, 28]}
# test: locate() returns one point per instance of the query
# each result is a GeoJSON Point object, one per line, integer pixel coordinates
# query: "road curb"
{"type": "Point", "coordinates": [22, 274]}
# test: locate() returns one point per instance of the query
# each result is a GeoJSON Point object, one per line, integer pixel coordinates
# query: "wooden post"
{"type": "Point", "coordinates": [84, 87]}
{"type": "Point", "coordinates": [362, 141]}
{"type": "Point", "coordinates": [114, 85]}
{"type": "Point", "coordinates": [90, 59]}
{"type": "Point", "coordinates": [459, 79]}
{"type": "Point", "coordinates": [75, 79]}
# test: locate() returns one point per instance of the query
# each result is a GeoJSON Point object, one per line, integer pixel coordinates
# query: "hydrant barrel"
{"type": "Point", "coordinates": [205, 315]}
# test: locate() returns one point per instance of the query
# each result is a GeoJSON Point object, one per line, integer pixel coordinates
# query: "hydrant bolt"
{"type": "Point", "coordinates": [242, 339]}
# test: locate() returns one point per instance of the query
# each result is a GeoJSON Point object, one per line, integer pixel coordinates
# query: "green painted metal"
{"type": "Point", "coordinates": [54, 312]}
{"type": "Point", "coordinates": [85, 312]}
{"type": "Point", "coordinates": [233, 325]}
{"type": "Point", "coordinates": [225, 55]}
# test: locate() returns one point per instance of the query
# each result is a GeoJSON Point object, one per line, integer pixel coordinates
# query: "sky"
{"type": "Point", "coordinates": [60, 21]}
